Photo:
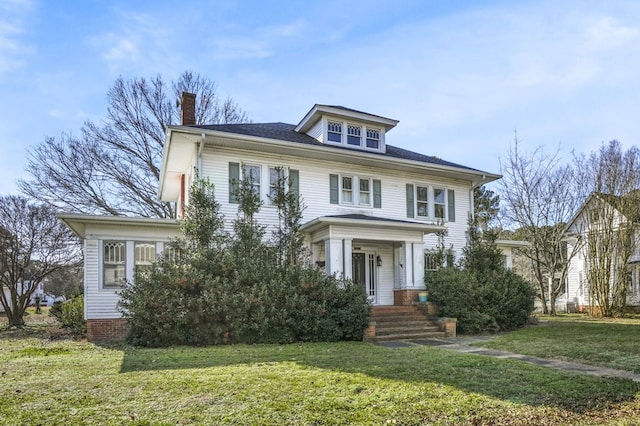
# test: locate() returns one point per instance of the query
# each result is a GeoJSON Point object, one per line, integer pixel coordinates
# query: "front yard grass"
{"type": "Point", "coordinates": [611, 343]}
{"type": "Point", "coordinates": [74, 382]}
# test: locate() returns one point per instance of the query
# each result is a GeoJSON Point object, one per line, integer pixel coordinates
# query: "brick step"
{"type": "Point", "coordinates": [413, 323]}
{"type": "Point", "coordinates": [409, 336]}
{"type": "Point", "coordinates": [410, 330]}
{"type": "Point", "coordinates": [400, 319]}
{"type": "Point", "coordinates": [387, 310]}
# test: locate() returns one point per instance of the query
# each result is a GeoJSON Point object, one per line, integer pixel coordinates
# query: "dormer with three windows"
{"type": "Point", "coordinates": [340, 126]}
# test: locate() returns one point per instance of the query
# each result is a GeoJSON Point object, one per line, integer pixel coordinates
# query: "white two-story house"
{"type": "Point", "coordinates": [372, 210]}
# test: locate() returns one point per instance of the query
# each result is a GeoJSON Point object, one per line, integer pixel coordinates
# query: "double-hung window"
{"type": "Point", "coordinates": [252, 174]}
{"type": "Point", "coordinates": [277, 178]}
{"type": "Point", "coordinates": [364, 195]}
{"type": "Point", "coordinates": [334, 131]}
{"type": "Point", "coordinates": [431, 203]}
{"type": "Point", "coordinates": [422, 201]}
{"type": "Point", "coordinates": [355, 191]}
{"type": "Point", "coordinates": [145, 255]}
{"type": "Point", "coordinates": [354, 135]}
{"type": "Point", "coordinates": [113, 263]}
{"type": "Point", "coordinates": [439, 204]}
{"type": "Point", "coordinates": [347, 189]}
{"type": "Point", "coordinates": [373, 138]}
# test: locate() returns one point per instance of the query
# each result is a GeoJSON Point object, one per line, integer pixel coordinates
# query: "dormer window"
{"type": "Point", "coordinates": [334, 131]}
{"type": "Point", "coordinates": [373, 138]}
{"type": "Point", "coordinates": [354, 135]}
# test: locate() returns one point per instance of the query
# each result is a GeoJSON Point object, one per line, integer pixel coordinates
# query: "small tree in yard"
{"type": "Point", "coordinates": [481, 293]}
{"type": "Point", "coordinates": [33, 245]}
{"type": "Point", "coordinates": [539, 196]}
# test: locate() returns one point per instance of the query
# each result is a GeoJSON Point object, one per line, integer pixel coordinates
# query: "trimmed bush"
{"type": "Point", "coordinates": [481, 293]}
{"type": "Point", "coordinates": [235, 288]}
{"type": "Point", "coordinates": [70, 314]}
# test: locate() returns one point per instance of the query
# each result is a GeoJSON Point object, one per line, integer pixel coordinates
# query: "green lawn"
{"type": "Point", "coordinates": [612, 343]}
{"type": "Point", "coordinates": [72, 382]}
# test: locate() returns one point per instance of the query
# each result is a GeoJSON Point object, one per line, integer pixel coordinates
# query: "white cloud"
{"type": "Point", "coordinates": [13, 24]}
{"type": "Point", "coordinates": [607, 32]}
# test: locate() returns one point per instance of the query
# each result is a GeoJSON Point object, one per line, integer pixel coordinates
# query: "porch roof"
{"type": "Point", "coordinates": [361, 220]}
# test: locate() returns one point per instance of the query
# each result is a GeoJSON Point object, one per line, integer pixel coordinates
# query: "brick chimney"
{"type": "Point", "coordinates": [188, 106]}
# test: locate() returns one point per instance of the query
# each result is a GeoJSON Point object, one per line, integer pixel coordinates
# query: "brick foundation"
{"type": "Point", "coordinates": [99, 330]}
{"type": "Point", "coordinates": [405, 297]}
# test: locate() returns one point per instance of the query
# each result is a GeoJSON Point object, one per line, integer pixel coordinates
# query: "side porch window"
{"type": "Point", "coordinates": [114, 263]}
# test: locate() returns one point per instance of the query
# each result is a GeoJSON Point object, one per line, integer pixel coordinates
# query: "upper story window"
{"type": "Point", "coordinates": [334, 131]}
{"type": "Point", "coordinates": [373, 138]}
{"type": "Point", "coordinates": [429, 202]}
{"type": "Point", "coordinates": [252, 174]}
{"type": "Point", "coordinates": [274, 176]}
{"type": "Point", "coordinates": [364, 193]}
{"type": "Point", "coordinates": [354, 135]}
{"type": "Point", "coordinates": [347, 189]}
{"type": "Point", "coordinates": [422, 201]}
{"type": "Point", "coordinates": [439, 205]}
{"type": "Point", "coordinates": [355, 191]}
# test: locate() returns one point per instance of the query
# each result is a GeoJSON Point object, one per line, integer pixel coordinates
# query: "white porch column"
{"type": "Point", "coordinates": [130, 260]}
{"type": "Point", "coordinates": [408, 265]}
{"type": "Point", "coordinates": [333, 256]}
{"type": "Point", "coordinates": [348, 259]}
{"type": "Point", "coordinates": [418, 265]}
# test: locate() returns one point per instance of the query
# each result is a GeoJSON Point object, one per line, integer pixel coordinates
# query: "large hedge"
{"type": "Point", "coordinates": [480, 292]}
{"type": "Point", "coordinates": [216, 287]}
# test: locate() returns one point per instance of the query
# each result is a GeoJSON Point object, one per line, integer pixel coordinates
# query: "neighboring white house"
{"type": "Point", "coordinates": [372, 209]}
{"type": "Point", "coordinates": [577, 235]}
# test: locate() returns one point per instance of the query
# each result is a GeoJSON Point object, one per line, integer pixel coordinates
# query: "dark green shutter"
{"type": "Point", "coordinates": [333, 189]}
{"type": "Point", "coordinates": [234, 180]}
{"type": "Point", "coordinates": [294, 181]}
{"type": "Point", "coordinates": [410, 203]}
{"type": "Point", "coordinates": [377, 194]}
{"type": "Point", "coordinates": [451, 199]}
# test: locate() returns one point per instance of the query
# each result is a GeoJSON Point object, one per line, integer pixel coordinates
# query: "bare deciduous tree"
{"type": "Point", "coordinates": [33, 245]}
{"type": "Point", "coordinates": [612, 178]}
{"type": "Point", "coordinates": [538, 197]}
{"type": "Point", "coordinates": [113, 167]}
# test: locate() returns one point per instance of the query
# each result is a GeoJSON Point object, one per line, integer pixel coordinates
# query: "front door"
{"type": "Point", "coordinates": [364, 272]}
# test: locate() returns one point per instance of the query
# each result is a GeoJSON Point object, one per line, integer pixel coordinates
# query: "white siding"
{"type": "Point", "coordinates": [314, 189]}
{"type": "Point", "coordinates": [101, 303]}
{"type": "Point", "coordinates": [316, 131]}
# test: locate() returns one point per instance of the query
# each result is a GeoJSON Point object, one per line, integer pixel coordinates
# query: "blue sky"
{"type": "Point", "coordinates": [460, 76]}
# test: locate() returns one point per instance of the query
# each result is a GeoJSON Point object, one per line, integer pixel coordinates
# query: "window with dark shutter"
{"type": "Point", "coordinates": [234, 178]}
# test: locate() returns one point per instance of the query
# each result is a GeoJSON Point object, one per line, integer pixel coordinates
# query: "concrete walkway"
{"type": "Point", "coordinates": [462, 344]}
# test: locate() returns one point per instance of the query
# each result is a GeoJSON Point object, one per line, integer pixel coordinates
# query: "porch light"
{"type": "Point", "coordinates": [378, 260]}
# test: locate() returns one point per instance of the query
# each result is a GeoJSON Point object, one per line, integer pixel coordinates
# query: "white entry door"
{"type": "Point", "coordinates": [364, 272]}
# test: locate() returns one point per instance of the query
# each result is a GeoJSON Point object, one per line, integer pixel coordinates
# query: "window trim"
{"type": "Point", "coordinates": [345, 134]}
{"type": "Point", "coordinates": [412, 198]}
{"type": "Point", "coordinates": [243, 166]}
{"type": "Point", "coordinates": [355, 190]}
{"type": "Point", "coordinates": [103, 265]}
